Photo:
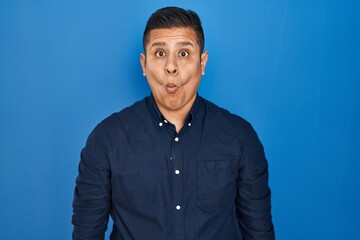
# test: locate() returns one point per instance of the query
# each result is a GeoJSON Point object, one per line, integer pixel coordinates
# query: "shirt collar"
{"type": "Point", "coordinates": [195, 112]}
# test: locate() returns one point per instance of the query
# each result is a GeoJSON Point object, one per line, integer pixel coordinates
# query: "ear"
{"type": "Point", "coordinates": [203, 61]}
{"type": "Point", "coordinates": [143, 63]}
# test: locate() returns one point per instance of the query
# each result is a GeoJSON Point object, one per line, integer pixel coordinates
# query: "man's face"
{"type": "Point", "coordinates": [173, 66]}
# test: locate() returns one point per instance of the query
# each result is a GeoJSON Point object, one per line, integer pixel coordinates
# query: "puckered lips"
{"type": "Point", "coordinates": [171, 88]}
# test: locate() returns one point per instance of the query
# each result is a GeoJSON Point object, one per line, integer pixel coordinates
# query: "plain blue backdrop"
{"type": "Point", "coordinates": [292, 68]}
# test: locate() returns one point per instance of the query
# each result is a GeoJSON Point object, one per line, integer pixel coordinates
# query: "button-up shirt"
{"type": "Point", "coordinates": [207, 181]}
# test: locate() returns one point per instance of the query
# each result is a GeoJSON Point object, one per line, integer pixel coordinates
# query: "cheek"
{"type": "Point", "coordinates": [191, 71]}
{"type": "Point", "coordinates": [155, 81]}
{"type": "Point", "coordinates": [154, 69]}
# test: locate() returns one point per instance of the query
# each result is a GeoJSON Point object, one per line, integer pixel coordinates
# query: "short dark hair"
{"type": "Point", "coordinates": [170, 17]}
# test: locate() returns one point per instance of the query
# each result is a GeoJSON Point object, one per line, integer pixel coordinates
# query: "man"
{"type": "Point", "coordinates": [174, 165]}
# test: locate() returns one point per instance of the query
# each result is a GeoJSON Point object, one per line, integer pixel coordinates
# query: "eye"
{"type": "Point", "coordinates": [160, 53]}
{"type": "Point", "coordinates": [183, 54]}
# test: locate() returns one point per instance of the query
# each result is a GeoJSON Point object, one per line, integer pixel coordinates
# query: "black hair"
{"type": "Point", "coordinates": [170, 17]}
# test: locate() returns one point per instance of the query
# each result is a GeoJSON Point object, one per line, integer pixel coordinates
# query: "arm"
{"type": "Point", "coordinates": [253, 205]}
{"type": "Point", "coordinates": [91, 202]}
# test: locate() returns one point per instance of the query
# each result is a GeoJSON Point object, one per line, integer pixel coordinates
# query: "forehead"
{"type": "Point", "coordinates": [172, 35]}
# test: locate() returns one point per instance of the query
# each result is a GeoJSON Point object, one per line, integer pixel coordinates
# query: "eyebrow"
{"type": "Point", "coordinates": [161, 44]}
{"type": "Point", "coordinates": [186, 44]}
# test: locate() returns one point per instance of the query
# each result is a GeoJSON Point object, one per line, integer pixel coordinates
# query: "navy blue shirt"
{"type": "Point", "coordinates": [208, 181]}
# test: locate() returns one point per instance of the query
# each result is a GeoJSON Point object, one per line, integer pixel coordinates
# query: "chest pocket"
{"type": "Point", "coordinates": [216, 184]}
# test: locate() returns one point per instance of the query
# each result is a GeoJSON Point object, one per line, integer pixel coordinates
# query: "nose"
{"type": "Point", "coordinates": [171, 67]}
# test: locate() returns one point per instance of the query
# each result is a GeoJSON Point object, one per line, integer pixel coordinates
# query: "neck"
{"type": "Point", "coordinates": [177, 116]}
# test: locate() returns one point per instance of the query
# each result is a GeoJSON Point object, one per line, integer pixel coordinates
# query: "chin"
{"type": "Point", "coordinates": [173, 106]}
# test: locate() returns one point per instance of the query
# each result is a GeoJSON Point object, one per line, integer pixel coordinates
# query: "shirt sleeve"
{"type": "Point", "coordinates": [253, 202]}
{"type": "Point", "coordinates": [91, 204]}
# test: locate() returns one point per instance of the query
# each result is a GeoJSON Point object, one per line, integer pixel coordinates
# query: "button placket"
{"type": "Point", "coordinates": [177, 185]}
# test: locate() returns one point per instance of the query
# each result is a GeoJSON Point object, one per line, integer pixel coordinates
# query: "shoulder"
{"type": "Point", "coordinates": [124, 116]}
{"type": "Point", "coordinates": [222, 116]}
{"type": "Point", "coordinates": [233, 129]}
{"type": "Point", "coordinates": [226, 122]}
{"type": "Point", "coordinates": [108, 128]}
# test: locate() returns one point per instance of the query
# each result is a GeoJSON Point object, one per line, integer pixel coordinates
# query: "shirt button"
{"type": "Point", "coordinates": [178, 207]}
{"type": "Point", "coordinates": [177, 172]}
{"type": "Point", "coordinates": [160, 124]}
{"type": "Point", "coordinates": [165, 121]}
{"type": "Point", "coordinates": [189, 124]}
{"type": "Point", "coordinates": [176, 139]}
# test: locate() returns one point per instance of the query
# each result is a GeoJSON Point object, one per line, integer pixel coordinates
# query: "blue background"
{"type": "Point", "coordinates": [292, 68]}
